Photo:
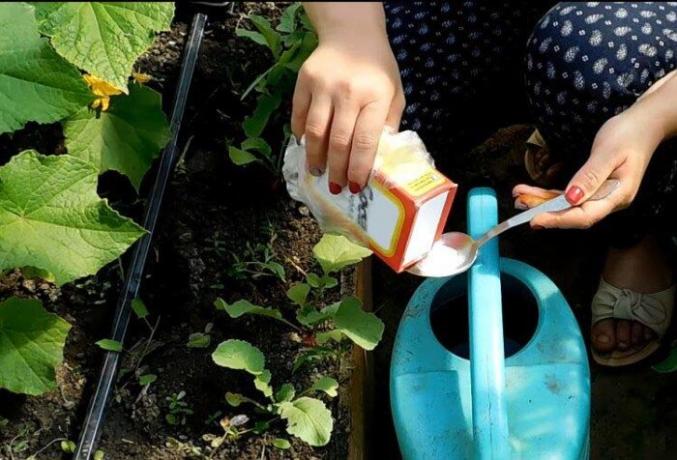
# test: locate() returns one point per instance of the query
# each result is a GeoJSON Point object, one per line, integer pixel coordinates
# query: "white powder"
{"type": "Point", "coordinates": [441, 260]}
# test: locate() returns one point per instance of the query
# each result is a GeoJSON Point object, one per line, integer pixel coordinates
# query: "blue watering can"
{"type": "Point", "coordinates": [532, 404]}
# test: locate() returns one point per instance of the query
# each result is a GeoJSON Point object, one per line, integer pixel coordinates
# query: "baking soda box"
{"type": "Point", "coordinates": [399, 214]}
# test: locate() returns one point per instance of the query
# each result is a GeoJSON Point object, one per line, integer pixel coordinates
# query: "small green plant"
{"type": "Point", "coordinates": [306, 417]}
{"type": "Point", "coordinates": [317, 324]}
{"type": "Point", "coordinates": [256, 261]}
{"type": "Point", "coordinates": [177, 408]}
{"type": "Point", "coordinates": [68, 446]}
{"type": "Point", "coordinates": [200, 339]}
{"type": "Point", "coordinates": [290, 43]}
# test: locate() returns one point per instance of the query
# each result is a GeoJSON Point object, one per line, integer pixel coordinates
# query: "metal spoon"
{"type": "Point", "coordinates": [455, 252]}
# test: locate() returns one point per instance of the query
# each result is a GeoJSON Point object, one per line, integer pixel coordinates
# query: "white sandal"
{"type": "Point", "coordinates": [652, 310]}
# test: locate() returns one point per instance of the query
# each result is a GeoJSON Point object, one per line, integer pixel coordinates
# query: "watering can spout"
{"type": "Point", "coordinates": [487, 360]}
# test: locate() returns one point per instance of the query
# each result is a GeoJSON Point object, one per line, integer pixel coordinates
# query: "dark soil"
{"type": "Point", "coordinates": [212, 209]}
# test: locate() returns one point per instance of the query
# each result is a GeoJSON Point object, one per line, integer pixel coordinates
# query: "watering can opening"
{"type": "Point", "coordinates": [449, 318]}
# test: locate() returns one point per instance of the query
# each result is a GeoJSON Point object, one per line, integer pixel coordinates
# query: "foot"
{"type": "Point", "coordinates": [642, 268]}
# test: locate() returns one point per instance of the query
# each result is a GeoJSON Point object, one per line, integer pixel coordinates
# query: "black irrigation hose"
{"type": "Point", "coordinates": [91, 429]}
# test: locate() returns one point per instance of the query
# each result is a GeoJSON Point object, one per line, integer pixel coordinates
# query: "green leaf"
{"type": "Point", "coordinates": [288, 19]}
{"type": "Point", "coordinates": [276, 268]}
{"type": "Point", "coordinates": [126, 138]}
{"type": "Point", "coordinates": [325, 384]}
{"type": "Point", "coordinates": [198, 340]}
{"type": "Point", "coordinates": [328, 282]}
{"type": "Point", "coordinates": [310, 355]}
{"type": "Point", "coordinates": [240, 157]}
{"type": "Point", "coordinates": [669, 364]}
{"type": "Point", "coordinates": [139, 308]}
{"type": "Point", "coordinates": [239, 355]}
{"type": "Point", "coordinates": [36, 84]}
{"type": "Point", "coordinates": [298, 293]}
{"type": "Point", "coordinates": [266, 104]}
{"type": "Point", "coordinates": [262, 383]}
{"type": "Point", "coordinates": [308, 419]}
{"type": "Point", "coordinates": [99, 455]}
{"type": "Point", "coordinates": [68, 446]}
{"type": "Point", "coordinates": [244, 307]}
{"type": "Point", "coordinates": [314, 280]}
{"type": "Point", "coordinates": [271, 36]}
{"type": "Point", "coordinates": [254, 36]}
{"type": "Point", "coordinates": [31, 346]}
{"type": "Point", "coordinates": [306, 47]}
{"type": "Point", "coordinates": [104, 38]}
{"type": "Point", "coordinates": [220, 304]}
{"type": "Point", "coordinates": [147, 379]}
{"type": "Point", "coordinates": [51, 218]}
{"type": "Point", "coordinates": [363, 328]}
{"type": "Point", "coordinates": [281, 443]}
{"type": "Point", "coordinates": [335, 334]}
{"type": "Point", "coordinates": [234, 399]}
{"type": "Point", "coordinates": [285, 393]}
{"type": "Point", "coordinates": [257, 144]}
{"type": "Point", "coordinates": [261, 426]}
{"type": "Point", "coordinates": [310, 316]}
{"type": "Point", "coordinates": [110, 345]}
{"type": "Point", "coordinates": [335, 252]}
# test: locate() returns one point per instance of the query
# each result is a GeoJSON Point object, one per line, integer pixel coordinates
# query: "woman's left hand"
{"type": "Point", "coordinates": [621, 150]}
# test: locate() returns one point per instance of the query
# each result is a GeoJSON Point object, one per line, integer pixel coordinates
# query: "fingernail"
{"type": "Point", "coordinates": [354, 187]}
{"type": "Point", "coordinates": [315, 171]}
{"type": "Point", "coordinates": [574, 194]}
{"type": "Point", "coordinates": [334, 188]}
{"type": "Point", "coordinates": [603, 338]}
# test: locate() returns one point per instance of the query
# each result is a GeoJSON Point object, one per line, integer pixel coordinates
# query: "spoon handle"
{"type": "Point", "coordinates": [556, 204]}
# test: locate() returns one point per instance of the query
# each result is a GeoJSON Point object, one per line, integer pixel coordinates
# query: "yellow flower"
{"type": "Point", "coordinates": [141, 77]}
{"type": "Point", "coordinates": [102, 90]}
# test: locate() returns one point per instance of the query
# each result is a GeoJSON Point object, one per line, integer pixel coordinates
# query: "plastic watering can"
{"type": "Point", "coordinates": [533, 404]}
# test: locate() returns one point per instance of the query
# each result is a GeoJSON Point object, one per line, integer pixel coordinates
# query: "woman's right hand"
{"type": "Point", "coordinates": [347, 91]}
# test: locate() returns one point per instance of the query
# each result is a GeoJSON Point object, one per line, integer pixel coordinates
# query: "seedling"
{"type": "Point", "coordinates": [200, 339]}
{"type": "Point", "coordinates": [316, 324]}
{"type": "Point", "coordinates": [178, 409]}
{"type": "Point", "coordinates": [306, 417]}
{"type": "Point", "coordinates": [257, 261]}
{"type": "Point", "coordinates": [290, 43]}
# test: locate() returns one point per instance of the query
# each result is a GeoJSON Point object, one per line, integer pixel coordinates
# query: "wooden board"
{"type": "Point", "coordinates": [362, 379]}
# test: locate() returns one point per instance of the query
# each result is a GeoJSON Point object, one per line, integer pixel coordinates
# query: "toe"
{"type": "Point", "coordinates": [623, 334]}
{"type": "Point", "coordinates": [604, 335]}
{"type": "Point", "coordinates": [636, 333]}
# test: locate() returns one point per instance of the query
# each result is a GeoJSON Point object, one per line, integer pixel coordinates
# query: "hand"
{"type": "Point", "coordinates": [347, 91]}
{"type": "Point", "coordinates": [621, 150]}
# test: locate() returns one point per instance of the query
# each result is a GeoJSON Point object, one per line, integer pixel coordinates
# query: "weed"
{"type": "Point", "coordinates": [290, 43]}
{"type": "Point", "coordinates": [178, 409]}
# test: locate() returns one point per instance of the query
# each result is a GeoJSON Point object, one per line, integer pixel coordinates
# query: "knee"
{"type": "Point", "coordinates": [571, 56]}
{"type": "Point", "coordinates": [593, 50]}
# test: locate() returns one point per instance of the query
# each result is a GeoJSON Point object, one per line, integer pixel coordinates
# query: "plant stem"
{"type": "Point", "coordinates": [35, 455]}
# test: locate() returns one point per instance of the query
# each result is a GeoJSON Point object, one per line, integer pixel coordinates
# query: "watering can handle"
{"type": "Point", "coordinates": [487, 366]}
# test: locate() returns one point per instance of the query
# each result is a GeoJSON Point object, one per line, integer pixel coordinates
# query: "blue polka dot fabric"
{"type": "Point", "coordinates": [470, 67]}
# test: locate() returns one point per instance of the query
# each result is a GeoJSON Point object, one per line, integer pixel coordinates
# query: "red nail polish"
{"type": "Point", "coordinates": [354, 187]}
{"type": "Point", "coordinates": [574, 194]}
{"type": "Point", "coordinates": [334, 188]}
